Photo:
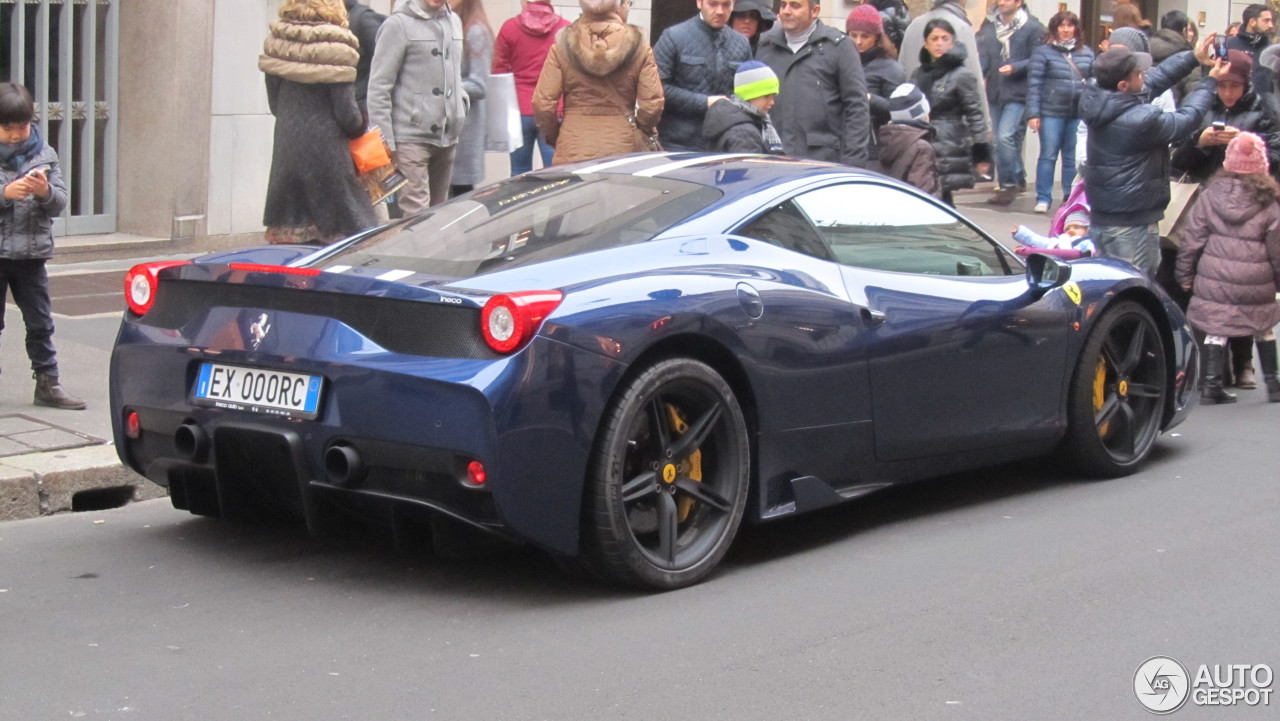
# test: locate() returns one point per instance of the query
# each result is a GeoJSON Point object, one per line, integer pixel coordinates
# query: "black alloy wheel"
{"type": "Point", "coordinates": [1118, 393]}
{"type": "Point", "coordinates": [669, 477]}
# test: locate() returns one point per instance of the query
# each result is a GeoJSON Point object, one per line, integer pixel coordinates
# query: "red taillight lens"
{"type": "Point", "coordinates": [132, 425]}
{"type": "Point", "coordinates": [140, 284]}
{"type": "Point", "coordinates": [509, 320]}
{"type": "Point", "coordinates": [476, 473]}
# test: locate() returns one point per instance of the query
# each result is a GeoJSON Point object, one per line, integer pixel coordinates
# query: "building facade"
{"type": "Point", "coordinates": [160, 114]}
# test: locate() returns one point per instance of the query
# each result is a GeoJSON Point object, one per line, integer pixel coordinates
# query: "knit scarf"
{"type": "Point", "coordinates": [1067, 45]}
{"type": "Point", "coordinates": [16, 155]}
{"type": "Point", "coordinates": [1005, 31]}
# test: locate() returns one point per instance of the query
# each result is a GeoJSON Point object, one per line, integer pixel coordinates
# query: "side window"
{"type": "Point", "coordinates": [884, 228]}
{"type": "Point", "coordinates": [785, 226]}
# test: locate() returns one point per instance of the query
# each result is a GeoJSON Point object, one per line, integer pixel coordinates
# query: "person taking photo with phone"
{"type": "Point", "coordinates": [1234, 110]}
{"type": "Point", "coordinates": [34, 194]}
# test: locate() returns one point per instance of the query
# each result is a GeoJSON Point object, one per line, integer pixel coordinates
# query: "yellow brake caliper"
{"type": "Point", "coordinates": [1100, 392]}
{"type": "Point", "coordinates": [691, 467]}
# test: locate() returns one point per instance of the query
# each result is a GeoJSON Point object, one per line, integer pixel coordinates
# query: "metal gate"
{"type": "Point", "coordinates": [65, 52]}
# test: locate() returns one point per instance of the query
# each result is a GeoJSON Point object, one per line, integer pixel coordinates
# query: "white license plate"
{"type": "Point", "coordinates": [260, 391]}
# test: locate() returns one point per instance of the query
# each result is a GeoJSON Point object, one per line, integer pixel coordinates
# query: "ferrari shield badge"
{"type": "Point", "coordinates": [1073, 292]}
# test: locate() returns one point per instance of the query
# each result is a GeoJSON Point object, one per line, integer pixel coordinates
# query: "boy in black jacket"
{"type": "Point", "coordinates": [740, 123]}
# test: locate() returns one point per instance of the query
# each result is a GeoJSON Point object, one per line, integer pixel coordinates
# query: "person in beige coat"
{"type": "Point", "coordinates": [605, 72]}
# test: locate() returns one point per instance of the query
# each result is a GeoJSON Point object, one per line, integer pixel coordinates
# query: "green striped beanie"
{"type": "Point", "coordinates": [754, 80]}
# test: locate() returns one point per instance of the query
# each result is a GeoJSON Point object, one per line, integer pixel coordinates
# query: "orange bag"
{"type": "Point", "coordinates": [369, 152]}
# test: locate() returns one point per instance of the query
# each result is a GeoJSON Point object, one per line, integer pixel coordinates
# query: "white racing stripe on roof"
{"type": "Point", "coordinates": [395, 274]}
{"type": "Point", "coordinates": [651, 172]}
{"type": "Point", "coordinates": [620, 161]}
{"type": "Point", "coordinates": [337, 269]}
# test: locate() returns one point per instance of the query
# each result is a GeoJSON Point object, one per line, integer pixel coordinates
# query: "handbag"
{"type": "Point", "coordinates": [644, 141]}
{"type": "Point", "coordinates": [503, 132]}
{"type": "Point", "coordinates": [1182, 195]}
{"type": "Point", "coordinates": [369, 152]}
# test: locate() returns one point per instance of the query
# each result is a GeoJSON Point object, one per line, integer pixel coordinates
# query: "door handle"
{"type": "Point", "coordinates": [872, 317]}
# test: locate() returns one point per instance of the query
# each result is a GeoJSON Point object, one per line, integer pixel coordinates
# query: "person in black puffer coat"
{"type": "Point", "coordinates": [956, 107]}
{"type": "Point", "coordinates": [1127, 176]}
{"type": "Point", "coordinates": [1057, 77]}
{"type": "Point", "coordinates": [880, 67]}
{"type": "Point", "coordinates": [895, 18]}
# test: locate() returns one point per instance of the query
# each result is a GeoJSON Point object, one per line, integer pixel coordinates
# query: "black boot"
{"type": "Point", "coordinates": [1270, 370]}
{"type": "Point", "coordinates": [50, 393]}
{"type": "Point", "coordinates": [1213, 392]}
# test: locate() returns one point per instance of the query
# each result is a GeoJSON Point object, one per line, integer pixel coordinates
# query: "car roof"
{"type": "Point", "coordinates": [734, 174]}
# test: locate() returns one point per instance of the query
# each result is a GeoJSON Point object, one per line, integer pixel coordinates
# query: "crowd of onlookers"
{"type": "Point", "coordinates": [930, 100]}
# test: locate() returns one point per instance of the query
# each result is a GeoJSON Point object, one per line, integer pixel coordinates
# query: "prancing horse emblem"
{"type": "Point", "coordinates": [259, 330]}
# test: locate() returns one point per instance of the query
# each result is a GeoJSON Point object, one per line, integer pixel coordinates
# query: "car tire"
{"type": "Point", "coordinates": [1118, 394]}
{"type": "Point", "coordinates": [661, 511]}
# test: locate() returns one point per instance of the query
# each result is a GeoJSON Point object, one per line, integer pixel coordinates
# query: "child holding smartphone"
{"type": "Point", "coordinates": [34, 194]}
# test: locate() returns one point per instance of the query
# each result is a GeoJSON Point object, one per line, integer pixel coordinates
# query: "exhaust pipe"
{"type": "Point", "coordinates": [191, 441]}
{"type": "Point", "coordinates": [343, 465]}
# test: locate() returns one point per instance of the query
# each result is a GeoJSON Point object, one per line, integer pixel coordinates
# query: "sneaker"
{"type": "Point", "coordinates": [1042, 207]}
{"type": "Point", "coordinates": [1004, 196]}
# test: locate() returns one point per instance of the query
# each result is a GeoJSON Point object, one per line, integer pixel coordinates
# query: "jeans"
{"type": "Point", "coordinates": [522, 157]}
{"type": "Point", "coordinates": [1138, 244]}
{"type": "Point", "coordinates": [28, 283]}
{"type": "Point", "coordinates": [1057, 135]}
{"type": "Point", "coordinates": [1010, 130]}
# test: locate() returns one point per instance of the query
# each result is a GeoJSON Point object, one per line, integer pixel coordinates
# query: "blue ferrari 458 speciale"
{"type": "Point", "coordinates": [619, 361]}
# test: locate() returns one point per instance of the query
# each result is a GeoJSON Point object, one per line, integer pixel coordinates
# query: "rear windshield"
{"type": "Point", "coordinates": [529, 219]}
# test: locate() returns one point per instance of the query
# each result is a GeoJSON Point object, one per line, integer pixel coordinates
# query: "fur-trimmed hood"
{"type": "Point", "coordinates": [600, 47]}
{"type": "Point", "coordinates": [310, 52]}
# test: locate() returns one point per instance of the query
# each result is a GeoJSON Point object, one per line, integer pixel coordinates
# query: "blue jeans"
{"type": "Point", "coordinates": [1057, 135]}
{"type": "Point", "coordinates": [1138, 244]}
{"type": "Point", "coordinates": [1010, 130]}
{"type": "Point", "coordinates": [28, 283]}
{"type": "Point", "coordinates": [522, 157]}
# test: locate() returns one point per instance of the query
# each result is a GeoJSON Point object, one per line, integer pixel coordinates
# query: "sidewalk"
{"type": "Point", "coordinates": [54, 461]}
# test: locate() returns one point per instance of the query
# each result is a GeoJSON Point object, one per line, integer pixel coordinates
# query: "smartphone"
{"type": "Point", "coordinates": [1219, 126]}
{"type": "Point", "coordinates": [42, 169]}
{"type": "Point", "coordinates": [1220, 47]}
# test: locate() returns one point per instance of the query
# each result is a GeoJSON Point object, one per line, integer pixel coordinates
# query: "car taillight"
{"type": "Point", "coordinates": [509, 320]}
{"type": "Point", "coordinates": [140, 284]}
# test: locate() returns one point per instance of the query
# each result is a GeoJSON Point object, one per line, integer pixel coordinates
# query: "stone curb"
{"type": "Point", "coordinates": [39, 484]}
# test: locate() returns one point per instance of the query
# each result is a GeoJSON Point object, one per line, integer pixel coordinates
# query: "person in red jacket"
{"type": "Point", "coordinates": [521, 48]}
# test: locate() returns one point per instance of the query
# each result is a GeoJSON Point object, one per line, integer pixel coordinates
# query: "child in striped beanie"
{"type": "Point", "coordinates": [740, 123]}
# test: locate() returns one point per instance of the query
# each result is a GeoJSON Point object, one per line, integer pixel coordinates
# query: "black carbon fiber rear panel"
{"type": "Point", "coordinates": [401, 326]}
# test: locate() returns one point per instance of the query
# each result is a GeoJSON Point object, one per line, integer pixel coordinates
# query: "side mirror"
{"type": "Point", "coordinates": [1044, 273]}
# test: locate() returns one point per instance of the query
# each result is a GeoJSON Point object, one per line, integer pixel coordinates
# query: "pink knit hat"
{"type": "Point", "coordinates": [865, 18]}
{"type": "Point", "coordinates": [1246, 155]}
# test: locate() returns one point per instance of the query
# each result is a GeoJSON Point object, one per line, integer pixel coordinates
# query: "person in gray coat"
{"type": "Point", "coordinates": [468, 161]}
{"type": "Point", "coordinates": [34, 194]}
{"type": "Point", "coordinates": [696, 61]}
{"type": "Point", "coordinates": [416, 97]}
{"type": "Point", "coordinates": [822, 110]}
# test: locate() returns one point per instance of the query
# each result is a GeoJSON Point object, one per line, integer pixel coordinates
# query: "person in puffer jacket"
{"type": "Point", "coordinates": [1127, 176]}
{"type": "Point", "coordinates": [1230, 261]}
{"type": "Point", "coordinates": [955, 99]}
{"type": "Point", "coordinates": [740, 123]}
{"type": "Point", "coordinates": [34, 194]}
{"type": "Point", "coordinates": [696, 61]}
{"type": "Point", "coordinates": [1056, 80]}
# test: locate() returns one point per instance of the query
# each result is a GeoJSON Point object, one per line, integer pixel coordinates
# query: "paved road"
{"type": "Point", "coordinates": [1017, 594]}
